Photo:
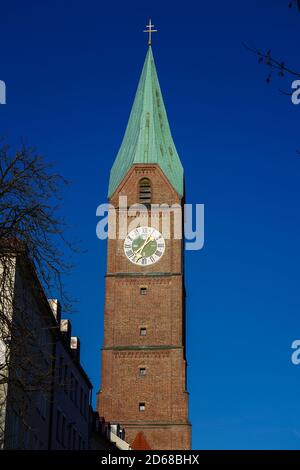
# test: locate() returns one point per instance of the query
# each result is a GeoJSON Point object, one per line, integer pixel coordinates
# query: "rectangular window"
{"type": "Point", "coordinates": [38, 401]}
{"type": "Point", "coordinates": [42, 338]}
{"type": "Point", "coordinates": [66, 379]}
{"type": "Point", "coordinates": [142, 406]}
{"type": "Point", "coordinates": [142, 370]}
{"type": "Point", "coordinates": [60, 370]}
{"type": "Point", "coordinates": [14, 438]}
{"type": "Point", "coordinates": [35, 442]}
{"type": "Point", "coordinates": [43, 408]}
{"type": "Point", "coordinates": [74, 439]}
{"type": "Point", "coordinates": [143, 290]}
{"type": "Point", "coordinates": [58, 424]}
{"type": "Point", "coordinates": [143, 331]}
{"type": "Point", "coordinates": [85, 406]}
{"type": "Point", "coordinates": [72, 387]}
{"type": "Point", "coordinates": [63, 431]}
{"type": "Point", "coordinates": [69, 436]}
{"type": "Point", "coordinates": [81, 401]}
{"type": "Point", "coordinates": [26, 440]}
{"type": "Point", "coordinates": [76, 392]}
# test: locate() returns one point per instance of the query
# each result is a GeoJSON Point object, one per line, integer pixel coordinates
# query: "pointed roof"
{"type": "Point", "coordinates": [140, 442]}
{"type": "Point", "coordinates": [148, 137]}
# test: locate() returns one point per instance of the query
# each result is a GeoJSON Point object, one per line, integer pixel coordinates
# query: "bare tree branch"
{"type": "Point", "coordinates": [268, 59]}
{"type": "Point", "coordinates": [32, 264]}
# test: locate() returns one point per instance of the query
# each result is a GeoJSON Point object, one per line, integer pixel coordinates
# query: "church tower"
{"type": "Point", "coordinates": [143, 384]}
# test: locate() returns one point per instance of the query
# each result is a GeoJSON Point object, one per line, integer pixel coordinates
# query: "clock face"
{"type": "Point", "coordinates": [144, 246]}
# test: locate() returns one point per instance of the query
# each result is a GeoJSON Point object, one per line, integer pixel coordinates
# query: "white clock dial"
{"type": "Point", "coordinates": [144, 246]}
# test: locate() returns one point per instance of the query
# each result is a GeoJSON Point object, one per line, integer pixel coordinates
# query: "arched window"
{"type": "Point", "coordinates": [145, 191]}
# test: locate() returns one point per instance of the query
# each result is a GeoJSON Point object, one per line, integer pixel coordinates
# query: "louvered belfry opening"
{"type": "Point", "coordinates": [145, 191]}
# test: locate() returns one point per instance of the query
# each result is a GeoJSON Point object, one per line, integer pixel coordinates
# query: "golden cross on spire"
{"type": "Point", "coordinates": [150, 30]}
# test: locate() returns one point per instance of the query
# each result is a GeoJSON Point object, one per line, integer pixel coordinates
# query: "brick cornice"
{"type": "Point", "coordinates": [155, 423]}
{"type": "Point", "coordinates": [140, 348]}
{"type": "Point", "coordinates": [133, 274]}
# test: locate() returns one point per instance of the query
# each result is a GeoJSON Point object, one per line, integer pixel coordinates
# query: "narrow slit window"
{"type": "Point", "coordinates": [142, 406]}
{"type": "Point", "coordinates": [145, 191]}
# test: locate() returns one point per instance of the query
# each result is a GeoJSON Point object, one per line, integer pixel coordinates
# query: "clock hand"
{"type": "Point", "coordinates": [143, 246]}
{"type": "Point", "coordinates": [138, 252]}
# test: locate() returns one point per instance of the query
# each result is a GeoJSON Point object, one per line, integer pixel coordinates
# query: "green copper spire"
{"type": "Point", "coordinates": [148, 137]}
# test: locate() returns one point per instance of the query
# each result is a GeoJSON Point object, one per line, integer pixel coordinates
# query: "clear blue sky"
{"type": "Point", "coordinates": [71, 70]}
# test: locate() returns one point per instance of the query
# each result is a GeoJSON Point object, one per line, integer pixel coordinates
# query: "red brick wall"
{"type": "Point", "coordinates": [165, 419]}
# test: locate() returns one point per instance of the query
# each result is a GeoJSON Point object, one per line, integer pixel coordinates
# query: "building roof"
{"type": "Point", "coordinates": [140, 442]}
{"type": "Point", "coordinates": [148, 136]}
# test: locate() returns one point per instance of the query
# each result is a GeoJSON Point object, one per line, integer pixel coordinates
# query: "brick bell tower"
{"type": "Point", "coordinates": [143, 355]}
